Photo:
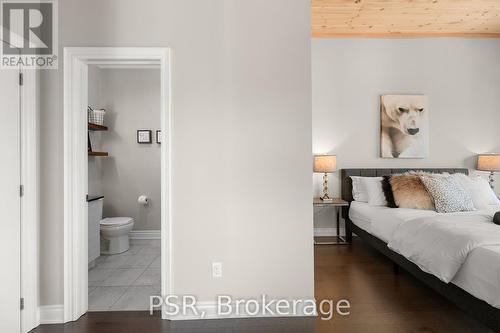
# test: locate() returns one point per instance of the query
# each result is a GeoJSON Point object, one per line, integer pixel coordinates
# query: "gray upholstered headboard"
{"type": "Point", "coordinates": [346, 182]}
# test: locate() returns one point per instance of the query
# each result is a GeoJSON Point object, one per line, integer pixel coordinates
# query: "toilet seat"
{"type": "Point", "coordinates": [116, 221]}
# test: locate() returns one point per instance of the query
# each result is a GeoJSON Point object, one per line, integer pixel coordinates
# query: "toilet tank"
{"type": "Point", "coordinates": [94, 220]}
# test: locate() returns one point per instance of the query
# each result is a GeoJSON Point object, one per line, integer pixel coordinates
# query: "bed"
{"type": "Point", "coordinates": [475, 287]}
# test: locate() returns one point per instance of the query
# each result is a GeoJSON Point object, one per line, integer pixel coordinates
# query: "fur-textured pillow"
{"type": "Point", "coordinates": [410, 192]}
{"type": "Point", "coordinates": [389, 196]}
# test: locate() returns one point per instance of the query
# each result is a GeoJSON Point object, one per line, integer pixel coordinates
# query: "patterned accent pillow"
{"type": "Point", "coordinates": [449, 196]}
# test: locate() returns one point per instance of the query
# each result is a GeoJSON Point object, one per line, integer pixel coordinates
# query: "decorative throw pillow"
{"type": "Point", "coordinates": [449, 196]}
{"type": "Point", "coordinates": [496, 218]}
{"type": "Point", "coordinates": [479, 189]}
{"type": "Point", "coordinates": [410, 192]}
{"type": "Point", "coordinates": [358, 189]}
{"type": "Point", "coordinates": [373, 186]}
{"type": "Point", "coordinates": [387, 188]}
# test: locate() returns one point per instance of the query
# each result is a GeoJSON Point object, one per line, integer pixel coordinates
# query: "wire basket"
{"type": "Point", "coordinates": [96, 116]}
{"type": "Point", "coordinates": [90, 115]}
{"type": "Point", "coordinates": [99, 117]}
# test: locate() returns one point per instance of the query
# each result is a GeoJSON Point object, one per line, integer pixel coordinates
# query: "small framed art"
{"type": "Point", "coordinates": [144, 136]}
{"type": "Point", "coordinates": [158, 136]}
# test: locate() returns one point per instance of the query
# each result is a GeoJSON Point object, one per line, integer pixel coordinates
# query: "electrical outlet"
{"type": "Point", "coordinates": [216, 270]}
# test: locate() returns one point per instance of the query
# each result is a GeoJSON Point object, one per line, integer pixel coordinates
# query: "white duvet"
{"type": "Point", "coordinates": [479, 274]}
{"type": "Point", "coordinates": [385, 221]}
{"type": "Point", "coordinates": [440, 243]}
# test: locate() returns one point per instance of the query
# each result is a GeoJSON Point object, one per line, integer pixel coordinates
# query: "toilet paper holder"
{"type": "Point", "coordinates": [143, 200]}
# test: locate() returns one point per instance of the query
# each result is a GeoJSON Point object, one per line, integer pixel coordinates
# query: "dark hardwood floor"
{"type": "Point", "coordinates": [380, 302]}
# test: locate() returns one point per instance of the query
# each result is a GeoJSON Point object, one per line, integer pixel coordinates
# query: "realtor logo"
{"type": "Point", "coordinates": [29, 34]}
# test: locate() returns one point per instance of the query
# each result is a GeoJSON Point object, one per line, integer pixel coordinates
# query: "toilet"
{"type": "Point", "coordinates": [115, 234]}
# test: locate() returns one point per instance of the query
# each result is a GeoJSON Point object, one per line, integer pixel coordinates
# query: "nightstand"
{"type": "Point", "coordinates": [338, 204]}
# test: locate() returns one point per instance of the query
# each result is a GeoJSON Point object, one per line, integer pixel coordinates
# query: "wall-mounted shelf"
{"type": "Point", "coordinates": [96, 127]}
{"type": "Point", "coordinates": [98, 153]}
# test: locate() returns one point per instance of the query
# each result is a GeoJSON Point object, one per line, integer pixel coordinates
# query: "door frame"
{"type": "Point", "coordinates": [76, 61]}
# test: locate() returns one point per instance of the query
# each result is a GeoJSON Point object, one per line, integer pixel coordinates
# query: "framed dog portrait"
{"type": "Point", "coordinates": [404, 126]}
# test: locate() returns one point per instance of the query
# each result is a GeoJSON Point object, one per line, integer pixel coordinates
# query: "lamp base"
{"type": "Point", "coordinates": [492, 180]}
{"type": "Point", "coordinates": [325, 196]}
{"type": "Point", "coordinates": [327, 199]}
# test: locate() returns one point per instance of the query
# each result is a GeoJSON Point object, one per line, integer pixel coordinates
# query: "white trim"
{"type": "Point", "coordinates": [129, 67]}
{"type": "Point", "coordinates": [75, 188]}
{"type": "Point", "coordinates": [76, 60]}
{"type": "Point", "coordinates": [209, 310]}
{"type": "Point", "coordinates": [152, 64]}
{"type": "Point", "coordinates": [51, 314]}
{"type": "Point", "coordinates": [30, 200]}
{"type": "Point", "coordinates": [145, 234]}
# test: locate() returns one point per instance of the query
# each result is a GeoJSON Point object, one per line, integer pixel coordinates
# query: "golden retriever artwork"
{"type": "Point", "coordinates": [404, 126]}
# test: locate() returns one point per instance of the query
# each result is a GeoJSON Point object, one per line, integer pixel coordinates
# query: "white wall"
{"type": "Point", "coordinates": [131, 98]}
{"type": "Point", "coordinates": [241, 138]}
{"type": "Point", "coordinates": [460, 76]}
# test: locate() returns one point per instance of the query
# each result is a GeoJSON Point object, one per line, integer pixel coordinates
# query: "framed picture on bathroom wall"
{"type": "Point", "coordinates": [158, 136]}
{"type": "Point", "coordinates": [144, 136]}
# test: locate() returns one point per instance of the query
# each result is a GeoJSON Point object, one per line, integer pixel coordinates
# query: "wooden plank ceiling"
{"type": "Point", "coordinates": [405, 18]}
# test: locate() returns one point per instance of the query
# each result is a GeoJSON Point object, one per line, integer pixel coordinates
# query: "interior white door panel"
{"type": "Point", "coordinates": [10, 202]}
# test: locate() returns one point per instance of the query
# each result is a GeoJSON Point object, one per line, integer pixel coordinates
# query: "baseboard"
{"type": "Point", "coordinates": [51, 314]}
{"type": "Point", "coordinates": [156, 234]}
{"type": "Point", "coordinates": [327, 232]}
{"type": "Point", "coordinates": [209, 310]}
{"type": "Point", "coordinates": [145, 234]}
{"type": "Point", "coordinates": [54, 314]}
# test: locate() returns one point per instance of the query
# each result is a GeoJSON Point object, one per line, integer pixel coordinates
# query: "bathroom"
{"type": "Point", "coordinates": [124, 188]}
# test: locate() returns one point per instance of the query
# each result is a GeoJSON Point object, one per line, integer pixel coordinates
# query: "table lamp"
{"type": "Point", "coordinates": [491, 163]}
{"type": "Point", "coordinates": [325, 164]}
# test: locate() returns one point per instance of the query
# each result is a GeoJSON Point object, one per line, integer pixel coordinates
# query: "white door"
{"type": "Point", "coordinates": [10, 202]}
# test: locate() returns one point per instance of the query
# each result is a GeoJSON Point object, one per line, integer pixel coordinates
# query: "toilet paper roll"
{"type": "Point", "coordinates": [143, 200]}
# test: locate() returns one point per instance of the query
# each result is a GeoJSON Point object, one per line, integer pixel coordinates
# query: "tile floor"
{"type": "Point", "coordinates": [124, 282]}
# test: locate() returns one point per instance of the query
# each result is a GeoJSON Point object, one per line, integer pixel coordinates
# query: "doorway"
{"type": "Point", "coordinates": [124, 192]}
{"type": "Point", "coordinates": [76, 97]}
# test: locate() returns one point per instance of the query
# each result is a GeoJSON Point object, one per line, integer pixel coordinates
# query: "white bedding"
{"type": "Point", "coordinates": [382, 221]}
{"type": "Point", "coordinates": [480, 273]}
{"type": "Point", "coordinates": [440, 244]}
{"type": "Point", "coordinates": [361, 214]}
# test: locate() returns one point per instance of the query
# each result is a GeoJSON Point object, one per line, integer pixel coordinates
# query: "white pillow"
{"type": "Point", "coordinates": [376, 196]}
{"type": "Point", "coordinates": [358, 189]}
{"type": "Point", "coordinates": [479, 189]}
{"type": "Point", "coordinates": [368, 189]}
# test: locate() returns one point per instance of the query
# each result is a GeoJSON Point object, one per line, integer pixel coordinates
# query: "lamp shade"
{"type": "Point", "coordinates": [488, 162]}
{"type": "Point", "coordinates": [325, 163]}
